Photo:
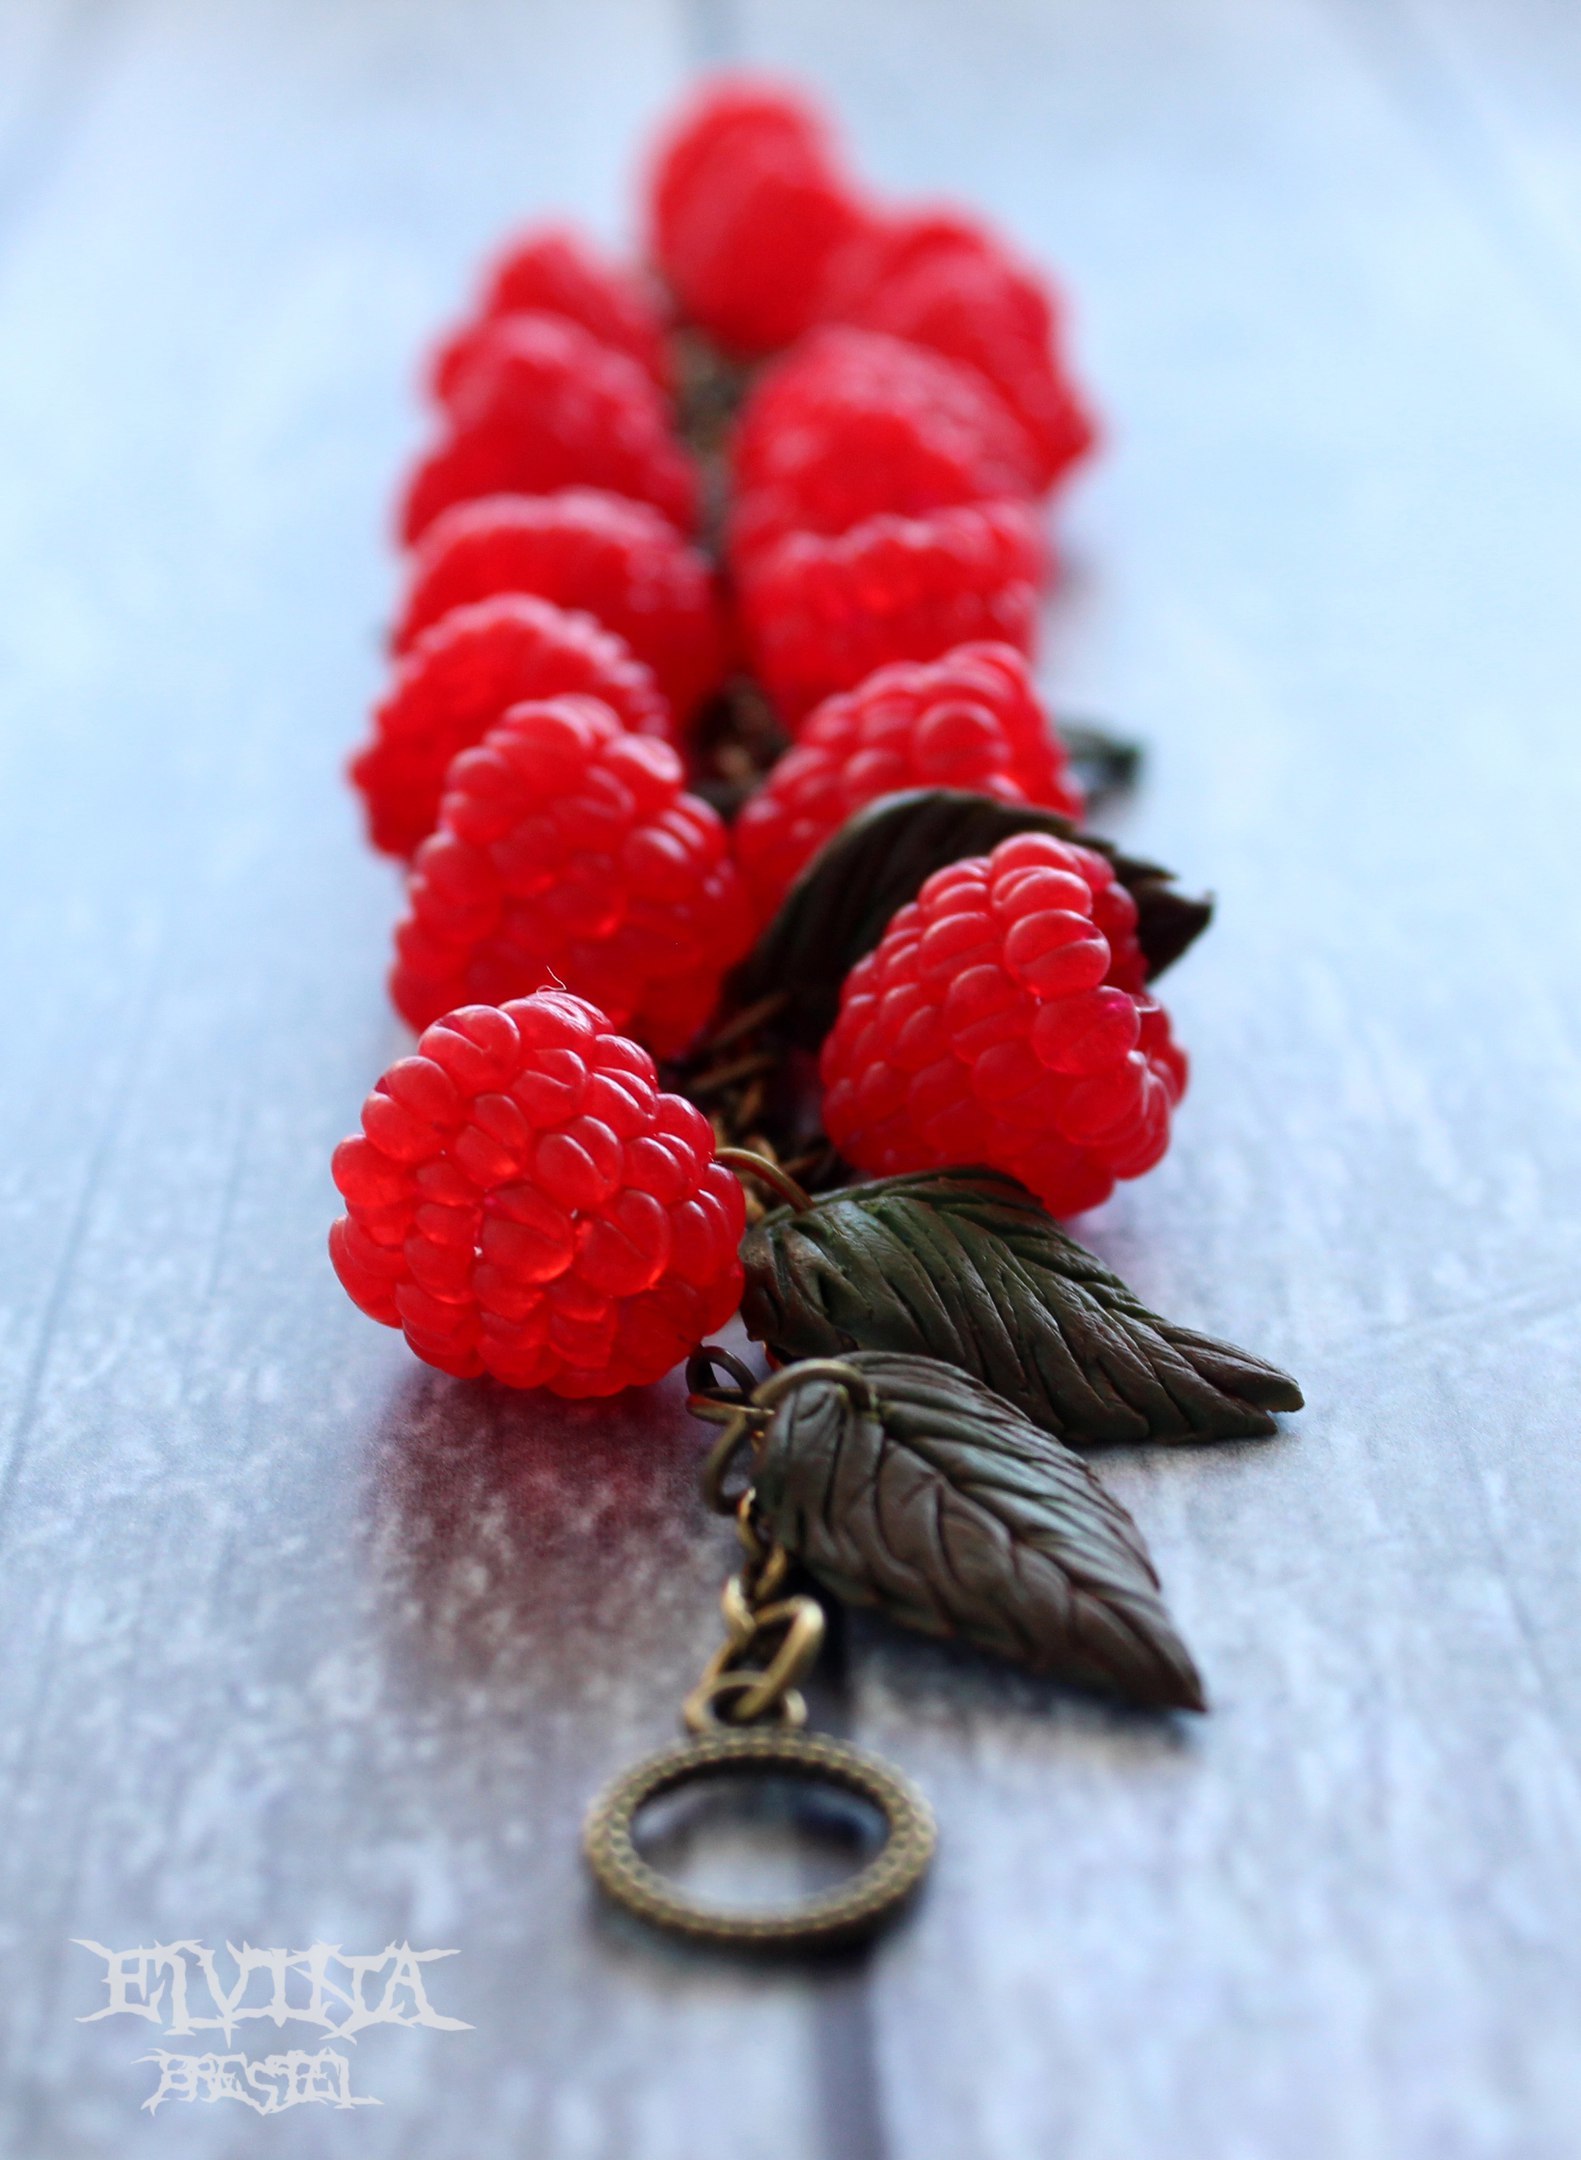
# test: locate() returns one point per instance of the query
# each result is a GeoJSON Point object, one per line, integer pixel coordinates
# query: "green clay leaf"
{"type": "Point", "coordinates": [1105, 763]}
{"type": "Point", "coordinates": [936, 1501]}
{"type": "Point", "coordinates": [880, 859]}
{"type": "Point", "coordinates": [966, 1266]}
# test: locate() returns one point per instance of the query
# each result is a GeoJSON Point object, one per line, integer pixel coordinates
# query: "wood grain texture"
{"type": "Point", "coordinates": [299, 1644]}
{"type": "Point", "coordinates": [1325, 572]}
{"type": "Point", "coordinates": [303, 1642]}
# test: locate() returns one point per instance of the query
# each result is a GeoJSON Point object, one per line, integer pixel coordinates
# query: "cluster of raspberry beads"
{"type": "Point", "coordinates": [915, 409]}
{"type": "Point", "coordinates": [555, 478]}
{"type": "Point", "coordinates": [910, 413]}
{"type": "Point", "coordinates": [558, 632]}
{"type": "Point", "coordinates": [524, 1200]}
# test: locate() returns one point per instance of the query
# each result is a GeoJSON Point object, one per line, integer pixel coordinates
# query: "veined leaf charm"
{"type": "Point", "coordinates": [964, 1265]}
{"type": "Point", "coordinates": [919, 1491]}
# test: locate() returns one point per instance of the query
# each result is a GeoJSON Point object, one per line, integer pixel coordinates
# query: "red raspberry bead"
{"type": "Point", "coordinates": [539, 405]}
{"type": "Point", "coordinates": [1001, 1020]}
{"type": "Point", "coordinates": [820, 614]}
{"type": "Point", "coordinates": [849, 425]}
{"type": "Point", "coordinates": [618, 561]}
{"type": "Point", "coordinates": [523, 1201]}
{"type": "Point", "coordinates": [971, 720]}
{"type": "Point", "coordinates": [943, 282]}
{"type": "Point", "coordinates": [554, 272]}
{"type": "Point", "coordinates": [568, 851]}
{"type": "Point", "coordinates": [747, 207]}
{"type": "Point", "coordinates": [463, 675]}
{"type": "Point", "coordinates": [727, 110]}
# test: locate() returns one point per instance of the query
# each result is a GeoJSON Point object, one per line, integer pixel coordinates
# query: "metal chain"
{"type": "Point", "coordinates": [771, 1642]}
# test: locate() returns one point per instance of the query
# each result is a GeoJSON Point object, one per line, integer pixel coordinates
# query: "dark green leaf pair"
{"type": "Point", "coordinates": [966, 1266]}
{"type": "Point", "coordinates": [842, 903]}
{"type": "Point", "coordinates": [911, 1487]}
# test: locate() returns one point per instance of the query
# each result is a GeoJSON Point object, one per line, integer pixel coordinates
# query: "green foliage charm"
{"type": "Point", "coordinates": [840, 906]}
{"type": "Point", "coordinates": [900, 1483]}
{"type": "Point", "coordinates": [965, 1265]}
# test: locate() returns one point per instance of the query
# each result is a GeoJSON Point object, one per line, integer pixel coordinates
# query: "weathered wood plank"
{"type": "Point", "coordinates": [1327, 569]}
{"type": "Point", "coordinates": [301, 1644]}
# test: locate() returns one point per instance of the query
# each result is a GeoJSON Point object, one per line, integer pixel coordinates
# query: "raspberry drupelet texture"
{"type": "Point", "coordinates": [849, 425]}
{"type": "Point", "coordinates": [970, 720]}
{"type": "Point", "coordinates": [943, 282]}
{"type": "Point", "coordinates": [540, 404]}
{"type": "Point", "coordinates": [1003, 1019]}
{"type": "Point", "coordinates": [523, 1201]}
{"type": "Point", "coordinates": [618, 561]}
{"type": "Point", "coordinates": [553, 271]}
{"type": "Point", "coordinates": [819, 614]}
{"type": "Point", "coordinates": [463, 675]}
{"type": "Point", "coordinates": [567, 850]}
{"type": "Point", "coordinates": [747, 206]}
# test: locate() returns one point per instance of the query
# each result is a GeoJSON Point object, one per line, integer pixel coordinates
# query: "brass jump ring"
{"type": "Point", "coordinates": [742, 1426]}
{"type": "Point", "coordinates": [850, 1377]}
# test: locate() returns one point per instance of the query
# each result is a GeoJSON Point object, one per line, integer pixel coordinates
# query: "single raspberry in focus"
{"type": "Point", "coordinates": [747, 206]}
{"type": "Point", "coordinates": [1002, 1019]}
{"type": "Point", "coordinates": [850, 425]}
{"type": "Point", "coordinates": [553, 271]}
{"type": "Point", "coordinates": [616, 560]}
{"type": "Point", "coordinates": [541, 405]}
{"type": "Point", "coordinates": [820, 614]}
{"type": "Point", "coordinates": [971, 720]}
{"type": "Point", "coordinates": [463, 675]}
{"type": "Point", "coordinates": [567, 850]}
{"type": "Point", "coordinates": [523, 1201]}
{"type": "Point", "coordinates": [941, 281]}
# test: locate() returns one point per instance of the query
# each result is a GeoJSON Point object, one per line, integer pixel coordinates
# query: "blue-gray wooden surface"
{"type": "Point", "coordinates": [301, 1642]}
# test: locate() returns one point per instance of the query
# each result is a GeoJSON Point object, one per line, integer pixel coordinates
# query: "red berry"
{"type": "Point", "coordinates": [728, 110]}
{"type": "Point", "coordinates": [941, 281]}
{"type": "Point", "coordinates": [554, 272]}
{"type": "Point", "coordinates": [618, 561]}
{"type": "Point", "coordinates": [523, 1201]}
{"type": "Point", "coordinates": [820, 614]}
{"type": "Point", "coordinates": [1002, 1020]}
{"type": "Point", "coordinates": [971, 720]}
{"type": "Point", "coordinates": [541, 405]}
{"type": "Point", "coordinates": [747, 207]}
{"type": "Point", "coordinates": [463, 675]}
{"type": "Point", "coordinates": [849, 425]}
{"type": "Point", "coordinates": [567, 851]}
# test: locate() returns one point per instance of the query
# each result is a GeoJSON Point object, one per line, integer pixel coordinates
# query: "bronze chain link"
{"type": "Point", "coordinates": [771, 1643]}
